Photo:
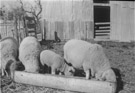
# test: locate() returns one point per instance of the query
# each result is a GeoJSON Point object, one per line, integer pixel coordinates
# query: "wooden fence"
{"type": "Point", "coordinates": [8, 29]}
{"type": "Point", "coordinates": [68, 30]}
{"type": "Point", "coordinates": [75, 19]}
{"type": "Point", "coordinates": [69, 18]}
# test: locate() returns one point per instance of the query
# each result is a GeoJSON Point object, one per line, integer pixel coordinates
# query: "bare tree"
{"type": "Point", "coordinates": [34, 10]}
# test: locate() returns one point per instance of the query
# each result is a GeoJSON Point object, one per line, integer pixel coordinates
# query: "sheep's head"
{"type": "Point", "coordinates": [109, 75]}
{"type": "Point", "coordinates": [10, 67]}
{"type": "Point", "coordinates": [69, 71]}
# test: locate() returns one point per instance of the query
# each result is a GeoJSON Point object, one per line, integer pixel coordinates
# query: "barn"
{"type": "Point", "coordinates": [89, 19]}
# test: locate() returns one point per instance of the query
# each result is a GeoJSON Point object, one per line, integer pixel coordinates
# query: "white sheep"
{"type": "Point", "coordinates": [8, 55]}
{"type": "Point", "coordinates": [89, 57]}
{"type": "Point", "coordinates": [55, 61]}
{"type": "Point", "coordinates": [29, 52]}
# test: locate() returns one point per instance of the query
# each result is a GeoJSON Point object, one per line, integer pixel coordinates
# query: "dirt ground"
{"type": "Point", "coordinates": [122, 59]}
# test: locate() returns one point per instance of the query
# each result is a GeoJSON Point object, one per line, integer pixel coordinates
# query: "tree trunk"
{"type": "Point", "coordinates": [16, 29]}
{"type": "Point", "coordinates": [24, 25]}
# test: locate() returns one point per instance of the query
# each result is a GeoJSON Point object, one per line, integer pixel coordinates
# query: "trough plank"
{"type": "Point", "coordinates": [64, 83]}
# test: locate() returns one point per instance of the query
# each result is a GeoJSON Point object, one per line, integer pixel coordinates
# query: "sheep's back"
{"type": "Point", "coordinates": [47, 57]}
{"type": "Point", "coordinates": [29, 52]}
{"type": "Point", "coordinates": [97, 59]}
{"type": "Point", "coordinates": [8, 49]}
{"type": "Point", "coordinates": [9, 46]}
{"type": "Point", "coordinates": [74, 52]}
{"type": "Point", "coordinates": [29, 48]}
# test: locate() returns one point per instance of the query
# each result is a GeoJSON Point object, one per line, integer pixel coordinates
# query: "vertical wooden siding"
{"type": "Point", "coordinates": [122, 21]}
{"type": "Point", "coordinates": [69, 18]}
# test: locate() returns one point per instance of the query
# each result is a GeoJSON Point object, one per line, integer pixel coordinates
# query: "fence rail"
{"type": "Point", "coordinates": [102, 30]}
{"type": "Point", "coordinates": [9, 29]}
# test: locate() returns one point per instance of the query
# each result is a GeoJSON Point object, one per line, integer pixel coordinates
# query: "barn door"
{"type": "Point", "coordinates": [102, 22]}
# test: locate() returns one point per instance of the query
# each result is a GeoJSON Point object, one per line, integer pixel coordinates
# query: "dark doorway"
{"type": "Point", "coordinates": [101, 1]}
{"type": "Point", "coordinates": [102, 13]}
{"type": "Point", "coordinates": [101, 21]}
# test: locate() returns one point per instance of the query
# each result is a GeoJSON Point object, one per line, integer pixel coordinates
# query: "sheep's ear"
{"type": "Point", "coordinates": [97, 46]}
{"type": "Point", "coordinates": [71, 69]}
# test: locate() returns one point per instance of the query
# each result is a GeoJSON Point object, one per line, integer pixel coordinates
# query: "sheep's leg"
{"type": "Point", "coordinates": [2, 72]}
{"type": "Point", "coordinates": [92, 73]}
{"type": "Point", "coordinates": [87, 72]}
{"type": "Point", "coordinates": [60, 73]}
{"type": "Point", "coordinates": [6, 73]}
{"type": "Point", "coordinates": [12, 75]}
{"type": "Point", "coordinates": [13, 84]}
{"type": "Point", "coordinates": [53, 71]}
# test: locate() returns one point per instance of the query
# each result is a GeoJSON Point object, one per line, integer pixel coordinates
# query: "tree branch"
{"type": "Point", "coordinates": [40, 7]}
{"type": "Point", "coordinates": [33, 11]}
{"type": "Point", "coordinates": [22, 6]}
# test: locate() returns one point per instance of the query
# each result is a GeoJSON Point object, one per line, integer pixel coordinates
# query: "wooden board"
{"type": "Point", "coordinates": [122, 21]}
{"type": "Point", "coordinates": [64, 83]}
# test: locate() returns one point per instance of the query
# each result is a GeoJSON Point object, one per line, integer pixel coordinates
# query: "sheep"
{"type": "Point", "coordinates": [9, 53]}
{"type": "Point", "coordinates": [29, 52]}
{"type": "Point", "coordinates": [55, 61]}
{"type": "Point", "coordinates": [89, 57]}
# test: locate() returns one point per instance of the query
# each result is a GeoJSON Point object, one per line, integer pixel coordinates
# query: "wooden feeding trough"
{"type": "Point", "coordinates": [64, 83]}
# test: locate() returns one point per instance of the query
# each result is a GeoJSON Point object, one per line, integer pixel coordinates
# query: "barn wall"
{"type": "Point", "coordinates": [122, 21]}
{"type": "Point", "coordinates": [69, 18]}
{"type": "Point", "coordinates": [74, 19]}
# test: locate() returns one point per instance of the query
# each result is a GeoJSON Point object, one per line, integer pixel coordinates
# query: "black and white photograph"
{"type": "Point", "coordinates": [67, 46]}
